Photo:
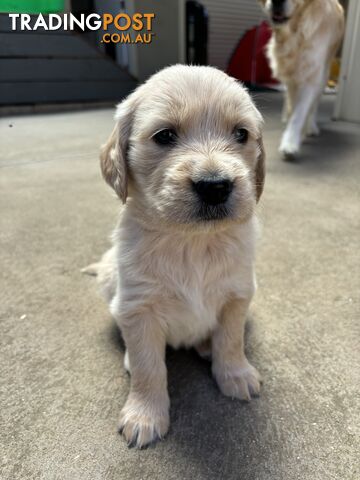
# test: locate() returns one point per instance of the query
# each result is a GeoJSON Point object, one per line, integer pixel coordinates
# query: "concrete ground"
{"type": "Point", "coordinates": [61, 373]}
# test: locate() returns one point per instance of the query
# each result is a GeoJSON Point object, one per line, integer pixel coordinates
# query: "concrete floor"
{"type": "Point", "coordinates": [61, 374]}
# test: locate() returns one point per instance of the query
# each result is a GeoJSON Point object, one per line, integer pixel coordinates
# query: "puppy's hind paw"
{"type": "Point", "coordinates": [242, 382]}
{"type": "Point", "coordinates": [204, 349]}
{"type": "Point", "coordinates": [141, 425]}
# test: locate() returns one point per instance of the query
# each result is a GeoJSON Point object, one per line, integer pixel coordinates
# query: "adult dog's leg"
{"type": "Point", "coordinates": [312, 128]}
{"type": "Point", "coordinates": [292, 137]}
{"type": "Point", "coordinates": [235, 376]}
{"type": "Point", "coordinates": [145, 415]}
{"type": "Point", "coordinates": [285, 114]}
{"type": "Point", "coordinates": [289, 101]}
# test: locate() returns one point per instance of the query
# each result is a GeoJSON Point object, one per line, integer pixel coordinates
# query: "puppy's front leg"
{"type": "Point", "coordinates": [235, 376]}
{"type": "Point", "coordinates": [145, 415]}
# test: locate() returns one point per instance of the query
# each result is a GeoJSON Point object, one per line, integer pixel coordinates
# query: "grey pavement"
{"type": "Point", "coordinates": [61, 374]}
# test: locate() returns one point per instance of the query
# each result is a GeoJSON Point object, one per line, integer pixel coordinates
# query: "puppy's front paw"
{"type": "Point", "coordinates": [241, 381]}
{"type": "Point", "coordinates": [142, 423]}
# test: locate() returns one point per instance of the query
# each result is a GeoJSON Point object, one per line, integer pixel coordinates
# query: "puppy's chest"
{"type": "Point", "coordinates": [187, 278]}
{"type": "Point", "coordinates": [194, 312]}
{"type": "Point", "coordinates": [199, 284]}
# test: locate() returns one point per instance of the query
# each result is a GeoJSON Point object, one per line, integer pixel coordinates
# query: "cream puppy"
{"type": "Point", "coordinates": [186, 159]}
{"type": "Point", "coordinates": [306, 36]}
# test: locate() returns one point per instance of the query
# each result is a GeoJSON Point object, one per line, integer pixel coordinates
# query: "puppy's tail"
{"type": "Point", "coordinates": [106, 272]}
{"type": "Point", "coordinates": [92, 269]}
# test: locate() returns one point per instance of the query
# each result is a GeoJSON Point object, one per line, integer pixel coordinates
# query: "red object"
{"type": "Point", "coordinates": [248, 63]}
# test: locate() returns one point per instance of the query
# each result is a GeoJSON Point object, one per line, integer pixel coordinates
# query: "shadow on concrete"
{"type": "Point", "coordinates": [215, 436]}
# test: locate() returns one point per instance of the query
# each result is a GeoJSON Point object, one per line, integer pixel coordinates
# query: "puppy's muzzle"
{"type": "Point", "coordinates": [213, 191]}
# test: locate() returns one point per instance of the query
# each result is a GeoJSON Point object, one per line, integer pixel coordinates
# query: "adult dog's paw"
{"type": "Point", "coordinates": [241, 381]}
{"type": "Point", "coordinates": [141, 423]}
{"type": "Point", "coordinates": [312, 129]}
{"type": "Point", "coordinates": [290, 145]}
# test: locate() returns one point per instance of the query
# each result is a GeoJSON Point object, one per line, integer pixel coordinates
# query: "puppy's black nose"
{"type": "Point", "coordinates": [213, 191]}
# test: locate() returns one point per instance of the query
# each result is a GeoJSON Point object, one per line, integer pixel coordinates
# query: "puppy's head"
{"type": "Point", "coordinates": [187, 148]}
{"type": "Point", "coordinates": [280, 11]}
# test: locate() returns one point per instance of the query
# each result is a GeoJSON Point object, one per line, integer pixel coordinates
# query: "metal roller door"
{"type": "Point", "coordinates": [228, 21]}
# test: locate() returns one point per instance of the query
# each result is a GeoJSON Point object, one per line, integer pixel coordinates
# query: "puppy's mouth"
{"type": "Point", "coordinates": [209, 213]}
{"type": "Point", "coordinates": [279, 18]}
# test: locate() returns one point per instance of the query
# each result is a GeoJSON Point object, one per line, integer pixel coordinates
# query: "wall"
{"type": "Point", "coordinates": [348, 100]}
{"type": "Point", "coordinates": [55, 66]}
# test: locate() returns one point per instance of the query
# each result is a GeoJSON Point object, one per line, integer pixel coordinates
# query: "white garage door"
{"type": "Point", "coordinates": [228, 21]}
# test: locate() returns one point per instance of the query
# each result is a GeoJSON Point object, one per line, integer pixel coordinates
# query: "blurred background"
{"type": "Point", "coordinates": [52, 67]}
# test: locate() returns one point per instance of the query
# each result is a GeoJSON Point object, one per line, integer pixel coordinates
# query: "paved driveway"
{"type": "Point", "coordinates": [61, 374]}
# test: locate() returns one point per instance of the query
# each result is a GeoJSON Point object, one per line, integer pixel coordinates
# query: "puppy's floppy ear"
{"type": "Point", "coordinates": [260, 169]}
{"type": "Point", "coordinates": [113, 155]}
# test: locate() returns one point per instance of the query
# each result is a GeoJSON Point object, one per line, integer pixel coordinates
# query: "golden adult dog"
{"type": "Point", "coordinates": [187, 160]}
{"type": "Point", "coordinates": [306, 36]}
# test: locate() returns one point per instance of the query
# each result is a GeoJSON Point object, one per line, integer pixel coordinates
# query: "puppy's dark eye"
{"type": "Point", "coordinates": [241, 135]}
{"type": "Point", "coordinates": [165, 137]}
